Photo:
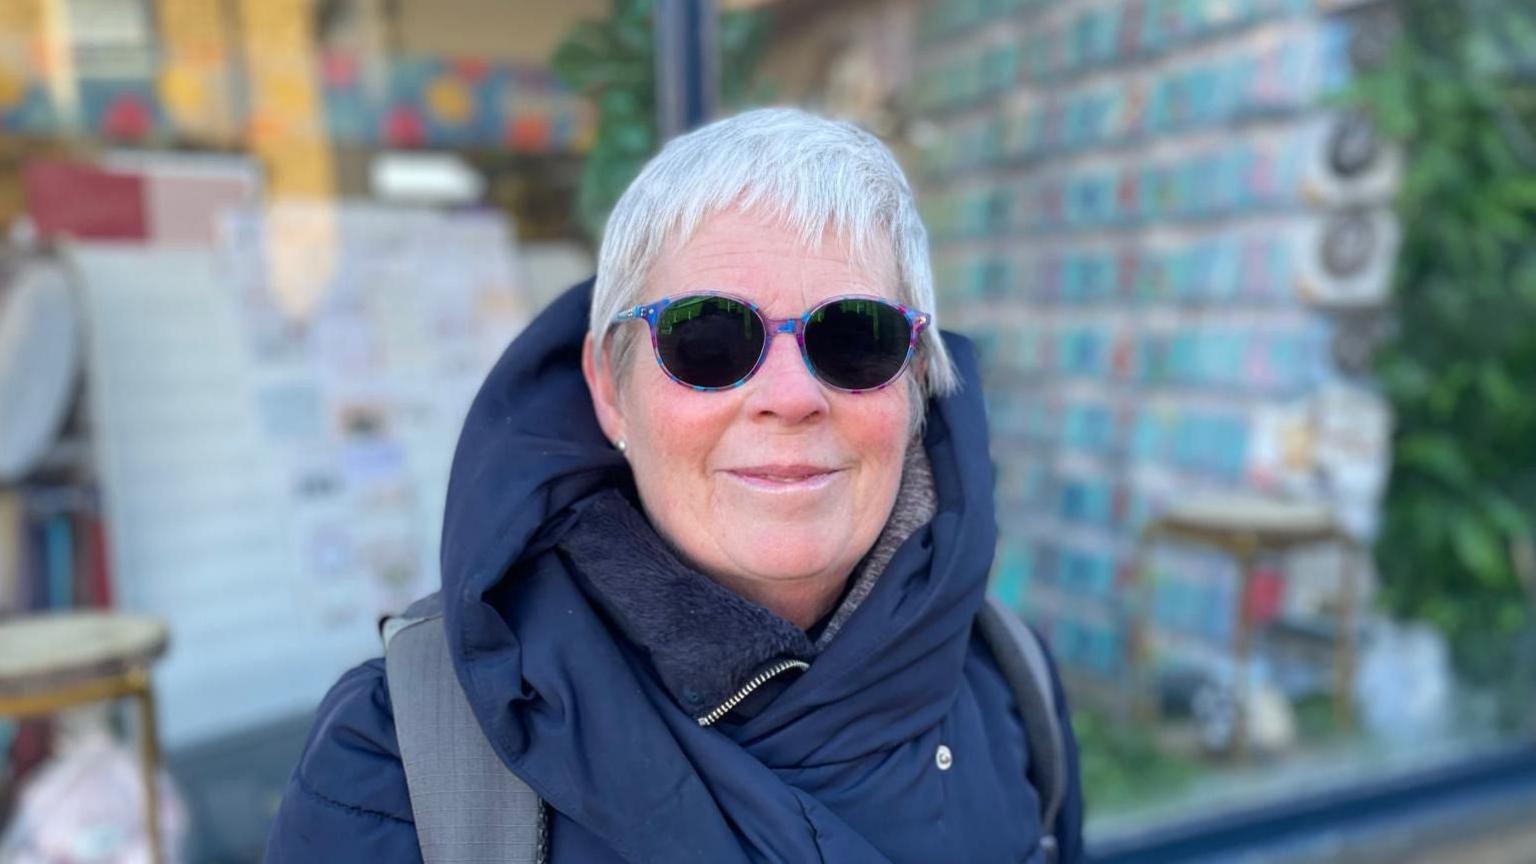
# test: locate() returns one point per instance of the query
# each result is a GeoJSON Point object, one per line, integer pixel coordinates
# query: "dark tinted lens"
{"type": "Point", "coordinates": [709, 341]}
{"type": "Point", "coordinates": [857, 344]}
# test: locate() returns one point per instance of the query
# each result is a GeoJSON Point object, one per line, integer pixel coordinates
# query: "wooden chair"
{"type": "Point", "coordinates": [52, 662]}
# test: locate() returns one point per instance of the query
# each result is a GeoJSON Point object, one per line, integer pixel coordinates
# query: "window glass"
{"type": "Point", "coordinates": [1246, 486]}
{"type": "Point", "coordinates": [257, 257]}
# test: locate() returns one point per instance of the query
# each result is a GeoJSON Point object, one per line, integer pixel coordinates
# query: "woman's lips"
{"type": "Point", "coordinates": [786, 478]}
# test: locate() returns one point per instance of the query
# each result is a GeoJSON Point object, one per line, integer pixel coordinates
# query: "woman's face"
{"type": "Point", "coordinates": [776, 488]}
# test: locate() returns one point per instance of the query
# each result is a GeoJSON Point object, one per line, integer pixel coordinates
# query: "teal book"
{"type": "Point", "coordinates": [60, 552]}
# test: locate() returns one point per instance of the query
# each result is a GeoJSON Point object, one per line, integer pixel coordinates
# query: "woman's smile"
{"type": "Point", "coordinates": [785, 479]}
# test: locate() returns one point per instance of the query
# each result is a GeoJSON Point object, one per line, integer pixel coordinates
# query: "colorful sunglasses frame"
{"type": "Point", "coordinates": [650, 313]}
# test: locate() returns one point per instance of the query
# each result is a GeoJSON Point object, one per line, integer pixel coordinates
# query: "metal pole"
{"type": "Point", "coordinates": [687, 65]}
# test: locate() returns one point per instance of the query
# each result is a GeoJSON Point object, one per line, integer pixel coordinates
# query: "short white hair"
{"type": "Point", "coordinates": [812, 173]}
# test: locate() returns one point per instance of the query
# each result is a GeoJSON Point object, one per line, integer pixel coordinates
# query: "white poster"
{"type": "Point", "coordinates": [274, 473]}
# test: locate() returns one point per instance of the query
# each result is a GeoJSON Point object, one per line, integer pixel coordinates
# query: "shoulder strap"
{"type": "Point", "coordinates": [468, 806]}
{"type": "Point", "coordinates": [1023, 662]}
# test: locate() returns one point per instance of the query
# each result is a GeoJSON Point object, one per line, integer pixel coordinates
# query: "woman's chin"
{"type": "Point", "coordinates": [790, 556]}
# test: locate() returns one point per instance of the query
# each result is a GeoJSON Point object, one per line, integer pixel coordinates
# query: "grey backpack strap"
{"type": "Point", "coordinates": [1022, 660]}
{"type": "Point", "coordinates": [468, 806]}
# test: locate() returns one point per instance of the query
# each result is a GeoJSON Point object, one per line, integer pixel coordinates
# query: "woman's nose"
{"type": "Point", "coordinates": [784, 386]}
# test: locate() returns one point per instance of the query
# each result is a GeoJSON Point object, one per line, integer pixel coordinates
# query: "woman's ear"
{"type": "Point", "coordinates": [604, 390]}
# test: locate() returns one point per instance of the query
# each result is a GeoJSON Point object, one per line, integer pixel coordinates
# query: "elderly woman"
{"type": "Point", "coordinates": [717, 534]}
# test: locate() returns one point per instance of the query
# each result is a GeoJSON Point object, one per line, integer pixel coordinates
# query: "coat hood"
{"type": "Point", "coordinates": [546, 673]}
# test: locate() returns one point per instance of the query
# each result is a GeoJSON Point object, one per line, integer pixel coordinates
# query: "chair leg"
{"type": "Point", "coordinates": [149, 749]}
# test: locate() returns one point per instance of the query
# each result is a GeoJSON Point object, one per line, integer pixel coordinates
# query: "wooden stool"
{"type": "Point", "coordinates": [1246, 527]}
{"type": "Point", "coordinates": [56, 661]}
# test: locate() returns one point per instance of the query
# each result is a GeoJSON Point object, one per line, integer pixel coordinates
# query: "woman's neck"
{"type": "Point", "coordinates": [801, 602]}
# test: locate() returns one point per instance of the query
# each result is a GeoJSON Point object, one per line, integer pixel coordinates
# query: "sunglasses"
{"type": "Point", "coordinates": [711, 341]}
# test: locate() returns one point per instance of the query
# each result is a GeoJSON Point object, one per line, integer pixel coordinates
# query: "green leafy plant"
{"type": "Point", "coordinates": [1124, 766]}
{"type": "Point", "coordinates": [613, 62]}
{"type": "Point", "coordinates": [1460, 369]}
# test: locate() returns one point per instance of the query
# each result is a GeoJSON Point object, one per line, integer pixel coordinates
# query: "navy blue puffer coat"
{"type": "Point", "coordinates": [839, 766]}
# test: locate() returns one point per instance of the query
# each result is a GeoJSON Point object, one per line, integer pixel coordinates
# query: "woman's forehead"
{"type": "Point", "coordinates": [770, 263]}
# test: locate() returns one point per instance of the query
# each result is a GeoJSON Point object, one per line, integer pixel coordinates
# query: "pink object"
{"type": "Point", "coordinates": [339, 70]}
{"type": "Point", "coordinates": [85, 805]}
{"type": "Point", "coordinates": [128, 117]}
{"type": "Point", "coordinates": [76, 200]}
{"type": "Point", "coordinates": [404, 127]}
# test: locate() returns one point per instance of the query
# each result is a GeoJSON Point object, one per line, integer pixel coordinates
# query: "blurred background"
{"type": "Point", "coordinates": [1253, 282]}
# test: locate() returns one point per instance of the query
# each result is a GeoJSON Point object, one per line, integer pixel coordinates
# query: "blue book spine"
{"type": "Point", "coordinates": [61, 565]}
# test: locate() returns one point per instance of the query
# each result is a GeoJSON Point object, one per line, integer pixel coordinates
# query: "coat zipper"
{"type": "Point", "coordinates": [746, 690]}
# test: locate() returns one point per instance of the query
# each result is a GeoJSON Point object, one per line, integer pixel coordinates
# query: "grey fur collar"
{"type": "Point", "coordinates": [704, 640]}
{"type": "Point", "coordinates": [916, 502]}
